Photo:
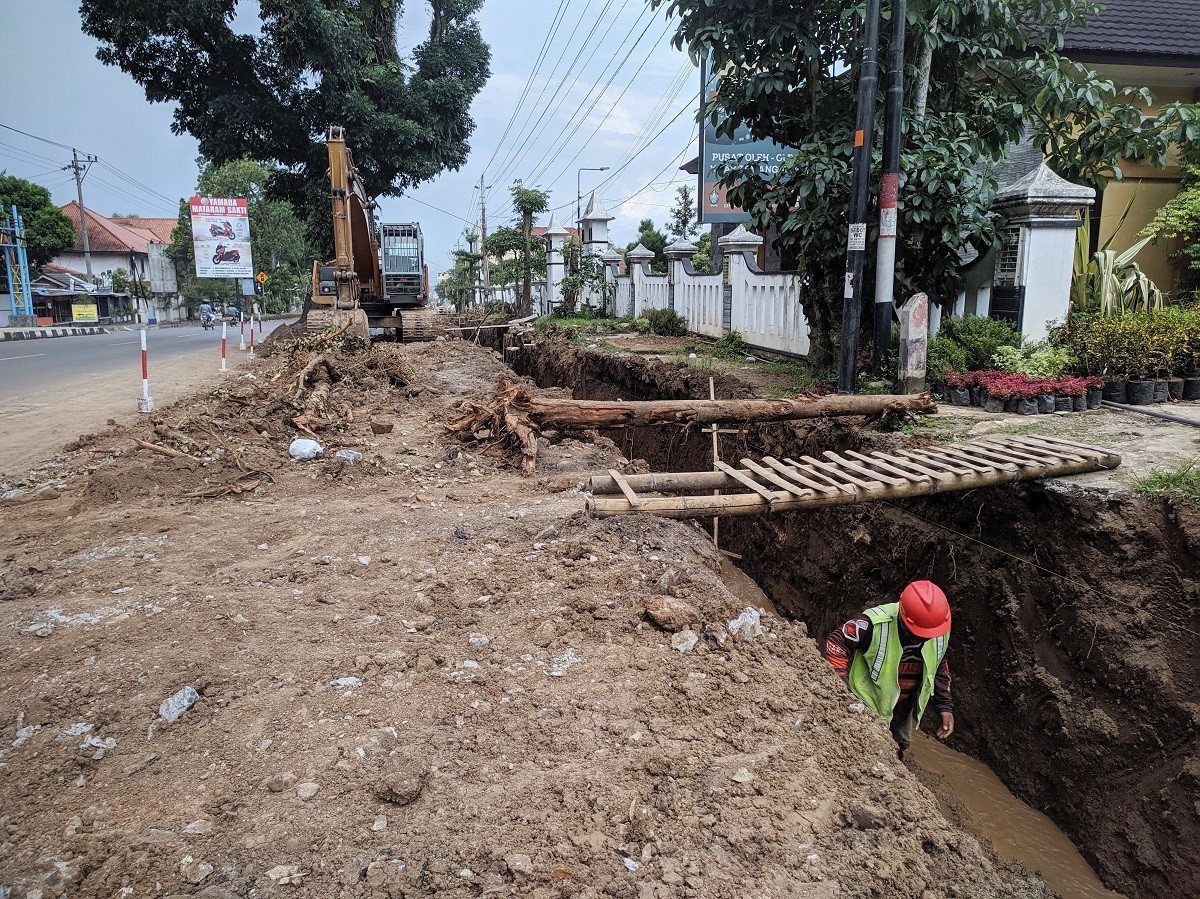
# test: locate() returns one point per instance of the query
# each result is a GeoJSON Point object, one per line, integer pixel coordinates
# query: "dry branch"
{"type": "Point", "coordinates": [165, 450]}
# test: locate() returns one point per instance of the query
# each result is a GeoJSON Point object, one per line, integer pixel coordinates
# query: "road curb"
{"type": "Point", "coordinates": [37, 333]}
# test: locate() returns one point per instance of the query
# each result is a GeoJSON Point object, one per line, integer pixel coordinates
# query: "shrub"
{"type": "Point", "coordinates": [944, 355]}
{"type": "Point", "coordinates": [1138, 344]}
{"type": "Point", "coordinates": [666, 323]}
{"type": "Point", "coordinates": [730, 346]}
{"type": "Point", "coordinates": [1036, 360]}
{"type": "Point", "coordinates": [979, 339]}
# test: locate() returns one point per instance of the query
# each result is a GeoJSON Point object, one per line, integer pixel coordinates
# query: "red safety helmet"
{"type": "Point", "coordinates": [924, 609]}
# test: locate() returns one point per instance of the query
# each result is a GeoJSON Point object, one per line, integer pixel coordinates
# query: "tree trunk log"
{"type": "Point", "coordinates": [585, 414]}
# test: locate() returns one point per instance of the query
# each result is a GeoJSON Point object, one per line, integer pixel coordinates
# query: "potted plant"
{"type": "Point", "coordinates": [958, 387]}
{"type": "Point", "coordinates": [1094, 387]}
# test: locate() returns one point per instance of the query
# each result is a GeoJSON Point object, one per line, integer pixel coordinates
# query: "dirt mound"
{"type": "Point", "coordinates": [437, 678]}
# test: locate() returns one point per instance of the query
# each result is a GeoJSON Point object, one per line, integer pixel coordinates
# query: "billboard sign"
{"type": "Point", "coordinates": [716, 149]}
{"type": "Point", "coordinates": [221, 236]}
{"type": "Point", "coordinates": [84, 312]}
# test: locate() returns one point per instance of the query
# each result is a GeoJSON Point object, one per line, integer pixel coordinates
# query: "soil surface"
{"type": "Point", "coordinates": [1077, 603]}
{"type": "Point", "coordinates": [418, 674]}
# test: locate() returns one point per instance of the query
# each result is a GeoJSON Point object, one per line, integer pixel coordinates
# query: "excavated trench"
{"type": "Point", "coordinates": [1076, 641]}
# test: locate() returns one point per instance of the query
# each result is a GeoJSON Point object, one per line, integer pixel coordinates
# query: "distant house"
{"type": "Point", "coordinates": [1142, 43]}
{"type": "Point", "coordinates": [136, 246]}
{"type": "Point", "coordinates": [57, 291]}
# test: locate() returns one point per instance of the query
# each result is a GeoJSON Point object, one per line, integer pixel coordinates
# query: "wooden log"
{"type": "Point", "coordinates": [584, 414]}
{"type": "Point", "coordinates": [706, 506]}
{"type": "Point", "coordinates": [165, 450]}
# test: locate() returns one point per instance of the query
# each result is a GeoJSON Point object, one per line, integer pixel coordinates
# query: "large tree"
{"type": "Point", "coordinates": [47, 230]}
{"type": "Point", "coordinates": [269, 96]}
{"type": "Point", "coordinates": [528, 201]}
{"type": "Point", "coordinates": [996, 76]}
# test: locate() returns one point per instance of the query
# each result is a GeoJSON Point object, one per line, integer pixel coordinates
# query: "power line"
{"type": "Point", "coordinates": [558, 16]}
{"type": "Point", "coordinates": [35, 137]}
{"type": "Point", "coordinates": [538, 128]}
{"type": "Point", "coordinates": [135, 183]}
{"type": "Point", "coordinates": [526, 128]}
{"type": "Point", "coordinates": [439, 209]}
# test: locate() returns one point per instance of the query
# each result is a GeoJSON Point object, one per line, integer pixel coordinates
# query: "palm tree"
{"type": "Point", "coordinates": [529, 201]}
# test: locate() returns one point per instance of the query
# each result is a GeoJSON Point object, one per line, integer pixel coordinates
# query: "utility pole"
{"type": "Point", "coordinates": [856, 238]}
{"type": "Point", "coordinates": [889, 192]}
{"type": "Point", "coordinates": [80, 169]}
{"type": "Point", "coordinates": [483, 269]}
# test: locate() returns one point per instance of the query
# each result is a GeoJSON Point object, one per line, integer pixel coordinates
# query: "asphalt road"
{"type": "Point", "coordinates": [30, 365]}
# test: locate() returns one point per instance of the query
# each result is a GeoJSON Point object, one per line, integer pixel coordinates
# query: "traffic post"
{"type": "Point", "coordinates": [224, 370]}
{"type": "Point", "coordinates": [242, 325]}
{"type": "Point", "coordinates": [145, 403]}
{"type": "Point", "coordinates": [251, 355]}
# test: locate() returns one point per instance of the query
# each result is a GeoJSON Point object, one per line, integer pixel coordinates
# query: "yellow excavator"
{"type": "Point", "coordinates": [378, 277]}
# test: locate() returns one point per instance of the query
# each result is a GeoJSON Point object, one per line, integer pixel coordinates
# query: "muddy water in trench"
{"type": "Point", "coordinates": [986, 807]}
{"type": "Point", "coordinates": [1015, 830]}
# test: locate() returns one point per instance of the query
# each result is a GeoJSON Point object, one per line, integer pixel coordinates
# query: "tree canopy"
{"type": "Point", "coordinates": [997, 76]}
{"type": "Point", "coordinates": [683, 214]}
{"type": "Point", "coordinates": [653, 240]}
{"type": "Point", "coordinates": [270, 96]}
{"type": "Point", "coordinates": [47, 230]}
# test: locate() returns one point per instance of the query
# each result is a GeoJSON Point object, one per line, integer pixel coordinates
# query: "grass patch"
{"type": "Point", "coordinates": [580, 323]}
{"type": "Point", "coordinates": [938, 427]}
{"type": "Point", "coordinates": [1182, 481]}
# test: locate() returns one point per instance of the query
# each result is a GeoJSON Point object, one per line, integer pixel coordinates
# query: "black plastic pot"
{"type": "Point", "coordinates": [1010, 404]}
{"type": "Point", "coordinates": [1079, 403]}
{"type": "Point", "coordinates": [1027, 407]}
{"type": "Point", "coordinates": [1191, 389]}
{"type": "Point", "coordinates": [1175, 388]}
{"type": "Point", "coordinates": [1094, 396]}
{"type": "Point", "coordinates": [1139, 393]}
{"type": "Point", "coordinates": [1115, 391]}
{"type": "Point", "coordinates": [1045, 403]}
{"type": "Point", "coordinates": [1160, 392]}
{"type": "Point", "coordinates": [993, 404]}
{"type": "Point", "coordinates": [976, 396]}
{"type": "Point", "coordinates": [960, 397]}
{"type": "Point", "coordinates": [983, 396]}
{"type": "Point", "coordinates": [1064, 404]}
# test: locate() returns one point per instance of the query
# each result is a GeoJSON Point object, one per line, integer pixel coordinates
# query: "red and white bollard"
{"type": "Point", "coordinates": [242, 323]}
{"type": "Point", "coordinates": [251, 355]}
{"type": "Point", "coordinates": [224, 370]}
{"type": "Point", "coordinates": [145, 403]}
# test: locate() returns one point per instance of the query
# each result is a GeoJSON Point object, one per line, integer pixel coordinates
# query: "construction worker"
{"type": "Point", "coordinates": [893, 658]}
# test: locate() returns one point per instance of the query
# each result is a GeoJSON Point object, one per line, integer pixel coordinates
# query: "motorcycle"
{"type": "Point", "coordinates": [208, 322]}
{"type": "Point", "coordinates": [225, 229]}
{"type": "Point", "coordinates": [223, 255]}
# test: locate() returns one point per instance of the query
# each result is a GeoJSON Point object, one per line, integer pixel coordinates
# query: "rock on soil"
{"type": "Point", "coordinates": [572, 753]}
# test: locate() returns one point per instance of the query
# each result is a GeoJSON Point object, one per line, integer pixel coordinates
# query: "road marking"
{"type": "Point", "coordinates": [124, 343]}
{"type": "Point", "coordinates": [29, 356]}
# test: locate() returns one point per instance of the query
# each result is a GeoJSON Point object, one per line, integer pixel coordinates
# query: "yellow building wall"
{"type": "Point", "coordinates": [1148, 188]}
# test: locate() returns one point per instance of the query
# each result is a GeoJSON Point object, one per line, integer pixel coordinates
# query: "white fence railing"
{"type": "Point", "coordinates": [698, 298]}
{"type": "Point", "coordinates": [766, 312]}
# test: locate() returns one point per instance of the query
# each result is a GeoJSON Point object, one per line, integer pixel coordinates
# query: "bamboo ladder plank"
{"type": "Point", "coordinates": [844, 475]}
{"type": "Point", "coordinates": [928, 457]}
{"type": "Point", "coordinates": [795, 475]}
{"type": "Point", "coordinates": [1065, 448]}
{"type": "Point", "coordinates": [854, 466]}
{"type": "Point", "coordinates": [967, 461]}
{"type": "Point", "coordinates": [1016, 453]}
{"type": "Point", "coordinates": [888, 465]}
{"type": "Point", "coordinates": [998, 456]}
{"type": "Point", "coordinates": [771, 496]}
{"type": "Point", "coordinates": [630, 494]}
{"type": "Point", "coordinates": [916, 466]}
{"type": "Point", "coordinates": [817, 473]}
{"type": "Point", "coordinates": [768, 475]}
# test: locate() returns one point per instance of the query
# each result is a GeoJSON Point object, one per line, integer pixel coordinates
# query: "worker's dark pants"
{"type": "Point", "coordinates": [902, 728]}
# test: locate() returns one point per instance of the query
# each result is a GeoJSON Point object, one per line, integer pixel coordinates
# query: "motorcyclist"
{"type": "Point", "coordinates": [206, 313]}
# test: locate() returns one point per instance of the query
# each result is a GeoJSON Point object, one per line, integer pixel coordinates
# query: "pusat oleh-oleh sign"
{"type": "Point", "coordinates": [717, 149]}
{"type": "Point", "coordinates": [221, 235]}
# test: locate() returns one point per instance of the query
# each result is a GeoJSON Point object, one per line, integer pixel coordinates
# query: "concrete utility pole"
{"type": "Point", "coordinates": [889, 193]}
{"type": "Point", "coordinates": [80, 169]}
{"type": "Point", "coordinates": [856, 238]}
{"type": "Point", "coordinates": [483, 263]}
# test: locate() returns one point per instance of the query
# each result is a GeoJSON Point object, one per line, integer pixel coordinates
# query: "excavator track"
{"type": "Point", "coordinates": [420, 325]}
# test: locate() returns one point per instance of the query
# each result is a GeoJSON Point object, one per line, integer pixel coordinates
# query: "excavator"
{"type": "Point", "coordinates": [378, 277]}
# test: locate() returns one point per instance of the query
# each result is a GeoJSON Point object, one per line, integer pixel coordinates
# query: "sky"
{"type": "Point", "coordinates": [607, 89]}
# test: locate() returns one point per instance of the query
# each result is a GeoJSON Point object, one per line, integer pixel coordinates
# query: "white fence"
{"type": "Point", "coordinates": [766, 312]}
{"type": "Point", "coordinates": [699, 299]}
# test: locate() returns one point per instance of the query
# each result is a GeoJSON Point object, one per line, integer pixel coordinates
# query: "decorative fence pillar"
{"type": "Point", "coordinates": [676, 254]}
{"type": "Point", "coordinates": [638, 258]}
{"type": "Point", "coordinates": [734, 246]}
{"type": "Point", "coordinates": [556, 235]}
{"type": "Point", "coordinates": [1032, 282]}
{"type": "Point", "coordinates": [612, 265]}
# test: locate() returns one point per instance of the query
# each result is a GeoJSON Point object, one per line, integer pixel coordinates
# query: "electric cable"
{"type": "Point", "coordinates": [35, 137]}
{"type": "Point", "coordinates": [542, 123]}
{"type": "Point", "coordinates": [558, 16]}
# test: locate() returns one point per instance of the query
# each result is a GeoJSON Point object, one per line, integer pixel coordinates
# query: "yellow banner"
{"type": "Point", "coordinates": [84, 312]}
